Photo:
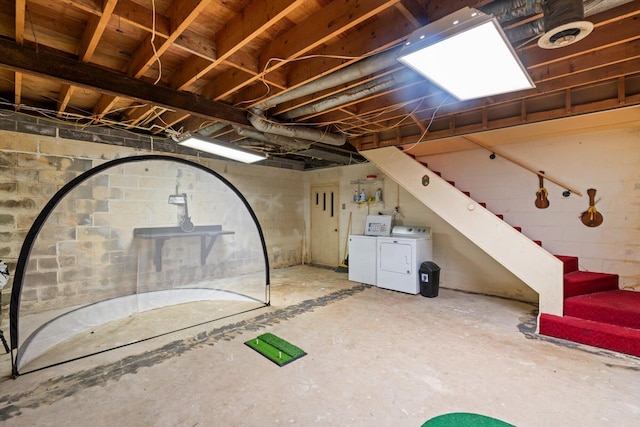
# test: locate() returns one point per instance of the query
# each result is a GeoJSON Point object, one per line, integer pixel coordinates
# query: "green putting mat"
{"type": "Point", "coordinates": [275, 349]}
{"type": "Point", "coordinates": [465, 419]}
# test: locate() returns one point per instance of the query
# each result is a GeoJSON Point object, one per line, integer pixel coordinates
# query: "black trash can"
{"type": "Point", "coordinates": [429, 279]}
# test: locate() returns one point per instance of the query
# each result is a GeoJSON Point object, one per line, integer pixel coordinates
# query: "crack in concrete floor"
{"type": "Point", "coordinates": [376, 357]}
{"type": "Point", "coordinates": [64, 386]}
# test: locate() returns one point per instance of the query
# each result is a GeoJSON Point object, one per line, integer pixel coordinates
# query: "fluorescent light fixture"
{"type": "Point", "coordinates": [467, 54]}
{"type": "Point", "coordinates": [221, 148]}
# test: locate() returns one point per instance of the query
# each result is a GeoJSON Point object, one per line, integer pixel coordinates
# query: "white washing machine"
{"type": "Point", "coordinates": [363, 249]}
{"type": "Point", "coordinates": [399, 256]}
{"type": "Point", "coordinates": [362, 259]}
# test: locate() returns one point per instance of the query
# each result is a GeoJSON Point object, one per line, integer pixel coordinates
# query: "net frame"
{"type": "Point", "coordinates": [41, 219]}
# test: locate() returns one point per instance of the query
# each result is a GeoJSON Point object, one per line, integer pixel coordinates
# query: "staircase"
{"type": "Point", "coordinates": [592, 311]}
{"type": "Point", "coordinates": [596, 312]}
{"type": "Point", "coordinates": [524, 258]}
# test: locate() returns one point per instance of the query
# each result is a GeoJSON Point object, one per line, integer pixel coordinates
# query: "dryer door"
{"type": "Point", "coordinates": [396, 257]}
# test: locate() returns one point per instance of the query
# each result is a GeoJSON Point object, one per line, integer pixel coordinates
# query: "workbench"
{"type": "Point", "coordinates": [162, 234]}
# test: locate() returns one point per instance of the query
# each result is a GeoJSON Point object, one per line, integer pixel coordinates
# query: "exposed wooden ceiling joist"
{"type": "Point", "coordinates": [165, 66]}
{"type": "Point", "coordinates": [68, 71]}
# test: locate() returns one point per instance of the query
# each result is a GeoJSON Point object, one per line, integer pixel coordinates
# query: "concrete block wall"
{"type": "Point", "coordinates": [88, 228]}
{"type": "Point", "coordinates": [463, 265]}
{"type": "Point", "coordinates": [343, 178]}
{"type": "Point", "coordinates": [34, 165]}
{"type": "Point", "coordinates": [607, 160]}
{"type": "Point", "coordinates": [101, 257]}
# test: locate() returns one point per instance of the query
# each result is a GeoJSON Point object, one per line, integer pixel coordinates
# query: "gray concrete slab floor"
{"type": "Point", "coordinates": [375, 358]}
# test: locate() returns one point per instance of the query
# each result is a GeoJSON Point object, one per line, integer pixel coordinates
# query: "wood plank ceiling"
{"type": "Point", "coordinates": [225, 69]}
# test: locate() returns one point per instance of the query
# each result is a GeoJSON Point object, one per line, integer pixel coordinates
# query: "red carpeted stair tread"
{"type": "Point", "coordinates": [597, 334]}
{"type": "Point", "coordinates": [570, 263]}
{"type": "Point", "coordinates": [586, 282]}
{"type": "Point", "coordinates": [615, 307]}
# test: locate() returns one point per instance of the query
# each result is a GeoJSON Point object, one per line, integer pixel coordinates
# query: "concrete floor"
{"type": "Point", "coordinates": [375, 358]}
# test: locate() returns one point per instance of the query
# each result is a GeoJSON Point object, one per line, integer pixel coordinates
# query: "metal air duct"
{"type": "Point", "coordinates": [348, 74]}
{"type": "Point", "coordinates": [564, 23]}
{"type": "Point", "coordinates": [282, 141]}
{"type": "Point", "coordinates": [354, 94]}
{"type": "Point", "coordinates": [310, 134]}
{"type": "Point", "coordinates": [509, 10]}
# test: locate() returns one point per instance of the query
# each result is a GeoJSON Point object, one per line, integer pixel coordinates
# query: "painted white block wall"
{"type": "Point", "coordinates": [607, 160]}
{"type": "Point", "coordinates": [342, 177]}
{"type": "Point", "coordinates": [463, 265]}
{"type": "Point", "coordinates": [533, 265]}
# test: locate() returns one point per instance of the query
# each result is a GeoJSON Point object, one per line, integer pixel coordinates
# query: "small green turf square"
{"type": "Point", "coordinates": [275, 349]}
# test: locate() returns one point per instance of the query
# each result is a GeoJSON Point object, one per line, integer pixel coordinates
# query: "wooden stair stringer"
{"type": "Point", "coordinates": [532, 264]}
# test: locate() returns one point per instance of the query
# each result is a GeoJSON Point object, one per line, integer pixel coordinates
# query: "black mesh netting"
{"type": "Point", "coordinates": [132, 249]}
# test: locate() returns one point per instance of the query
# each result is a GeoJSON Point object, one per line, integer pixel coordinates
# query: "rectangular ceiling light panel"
{"type": "Point", "coordinates": [468, 55]}
{"type": "Point", "coordinates": [222, 149]}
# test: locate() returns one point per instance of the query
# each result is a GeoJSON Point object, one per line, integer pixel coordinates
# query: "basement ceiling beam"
{"type": "Point", "coordinates": [21, 59]}
{"type": "Point", "coordinates": [181, 14]}
{"type": "Point", "coordinates": [334, 19]}
{"type": "Point", "coordinates": [236, 34]}
{"type": "Point", "coordinates": [384, 32]}
{"type": "Point", "coordinates": [88, 44]}
{"type": "Point", "coordinates": [414, 12]}
{"type": "Point", "coordinates": [19, 32]}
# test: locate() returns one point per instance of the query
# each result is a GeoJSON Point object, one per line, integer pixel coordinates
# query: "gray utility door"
{"type": "Point", "coordinates": [324, 226]}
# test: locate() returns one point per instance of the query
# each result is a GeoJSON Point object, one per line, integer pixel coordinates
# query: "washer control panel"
{"type": "Point", "coordinates": [411, 231]}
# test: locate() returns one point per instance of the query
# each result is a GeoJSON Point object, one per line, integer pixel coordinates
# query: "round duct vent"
{"type": "Point", "coordinates": [563, 23]}
{"type": "Point", "coordinates": [565, 35]}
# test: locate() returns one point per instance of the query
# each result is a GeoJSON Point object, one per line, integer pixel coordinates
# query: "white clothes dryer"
{"type": "Point", "coordinates": [400, 256]}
